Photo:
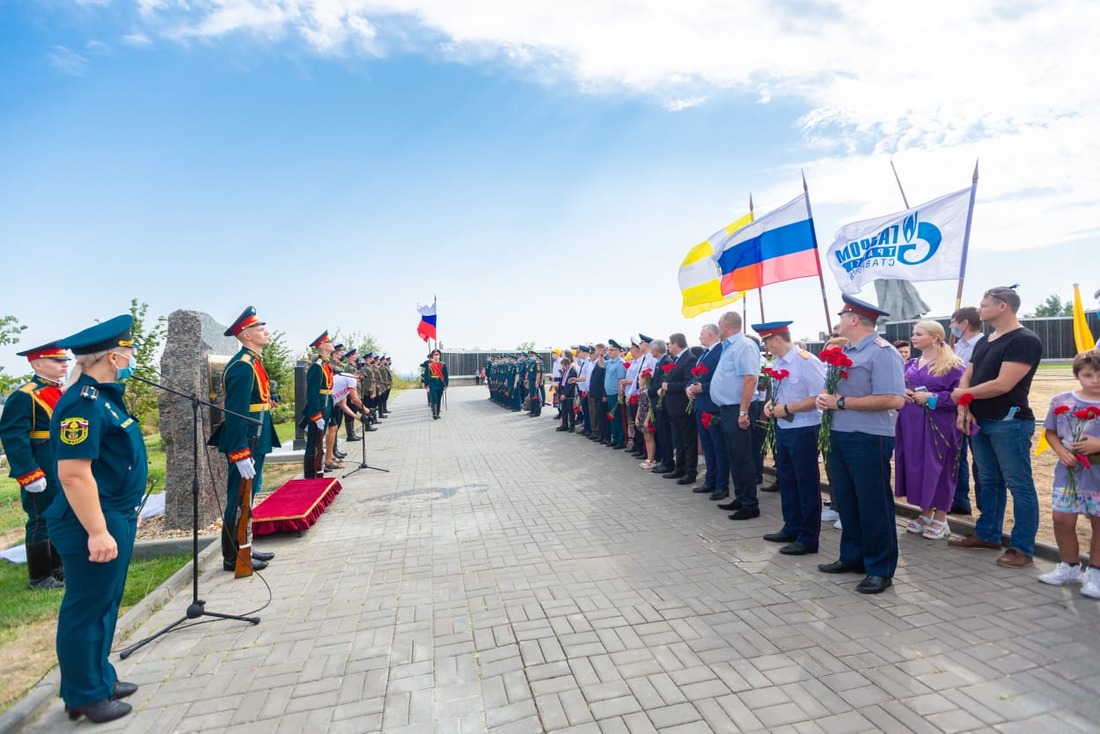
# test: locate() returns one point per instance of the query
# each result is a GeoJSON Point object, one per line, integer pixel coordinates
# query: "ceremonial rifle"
{"type": "Point", "coordinates": [244, 531]}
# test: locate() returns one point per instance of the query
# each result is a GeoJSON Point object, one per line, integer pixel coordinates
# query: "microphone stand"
{"type": "Point", "coordinates": [197, 608]}
{"type": "Point", "coordinates": [363, 446]}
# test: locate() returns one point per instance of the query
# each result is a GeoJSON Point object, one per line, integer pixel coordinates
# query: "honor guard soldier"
{"type": "Point", "coordinates": [435, 380]}
{"type": "Point", "coordinates": [102, 468]}
{"type": "Point", "coordinates": [318, 406]}
{"type": "Point", "coordinates": [245, 444]}
{"type": "Point", "coordinates": [865, 410]}
{"type": "Point", "coordinates": [25, 433]}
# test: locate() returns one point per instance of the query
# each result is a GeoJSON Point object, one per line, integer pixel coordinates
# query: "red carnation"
{"type": "Point", "coordinates": [699, 370]}
{"type": "Point", "coordinates": [706, 419]}
{"type": "Point", "coordinates": [965, 399]}
{"type": "Point", "coordinates": [1083, 414]}
{"type": "Point", "coordinates": [782, 374]}
{"type": "Point", "coordinates": [626, 365]}
{"type": "Point", "coordinates": [610, 417]}
{"type": "Point", "coordinates": [647, 372]}
{"type": "Point", "coordinates": [651, 428]}
{"type": "Point", "coordinates": [633, 399]}
{"type": "Point", "coordinates": [668, 367]}
{"type": "Point", "coordinates": [1061, 410]}
{"type": "Point", "coordinates": [844, 374]}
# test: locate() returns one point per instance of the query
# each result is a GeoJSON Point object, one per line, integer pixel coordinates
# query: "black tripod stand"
{"type": "Point", "coordinates": [197, 608]}
{"type": "Point", "coordinates": [363, 445]}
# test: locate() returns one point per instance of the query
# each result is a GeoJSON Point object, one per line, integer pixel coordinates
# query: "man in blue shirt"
{"type": "Point", "coordinates": [614, 371]}
{"type": "Point", "coordinates": [731, 389]}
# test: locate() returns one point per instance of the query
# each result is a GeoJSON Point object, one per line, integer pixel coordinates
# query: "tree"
{"type": "Point", "coordinates": [141, 399]}
{"type": "Point", "coordinates": [363, 342]}
{"type": "Point", "coordinates": [279, 363]}
{"type": "Point", "coordinates": [1052, 306]}
{"type": "Point", "coordinates": [526, 346]}
{"type": "Point", "coordinates": [10, 328]}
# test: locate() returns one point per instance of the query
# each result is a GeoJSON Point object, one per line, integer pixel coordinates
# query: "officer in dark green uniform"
{"type": "Point", "coordinates": [25, 433]}
{"type": "Point", "coordinates": [435, 380]}
{"type": "Point", "coordinates": [245, 444]}
{"type": "Point", "coordinates": [318, 408]}
{"type": "Point", "coordinates": [102, 468]}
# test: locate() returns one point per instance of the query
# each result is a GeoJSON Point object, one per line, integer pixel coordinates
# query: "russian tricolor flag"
{"type": "Point", "coordinates": [779, 246]}
{"type": "Point", "coordinates": [426, 329]}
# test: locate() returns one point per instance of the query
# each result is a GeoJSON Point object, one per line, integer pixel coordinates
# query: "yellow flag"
{"type": "Point", "coordinates": [700, 279]}
{"type": "Point", "coordinates": [1082, 336]}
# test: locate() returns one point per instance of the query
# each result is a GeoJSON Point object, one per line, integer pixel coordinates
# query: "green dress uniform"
{"type": "Point", "coordinates": [25, 433]}
{"type": "Point", "coordinates": [91, 421]}
{"type": "Point", "coordinates": [318, 406]}
{"type": "Point", "coordinates": [435, 378]}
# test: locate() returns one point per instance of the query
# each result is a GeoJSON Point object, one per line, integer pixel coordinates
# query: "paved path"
{"type": "Point", "coordinates": [507, 578]}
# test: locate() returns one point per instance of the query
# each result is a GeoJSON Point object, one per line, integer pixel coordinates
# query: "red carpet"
{"type": "Point", "coordinates": [295, 506]}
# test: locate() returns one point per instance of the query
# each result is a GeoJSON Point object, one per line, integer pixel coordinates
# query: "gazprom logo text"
{"type": "Point", "coordinates": [886, 249]}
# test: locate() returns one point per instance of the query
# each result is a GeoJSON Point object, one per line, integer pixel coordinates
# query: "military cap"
{"type": "Point", "coordinates": [644, 339]}
{"type": "Point", "coordinates": [246, 320]}
{"type": "Point", "coordinates": [584, 348]}
{"type": "Point", "coordinates": [46, 351]}
{"type": "Point", "coordinates": [860, 308]}
{"type": "Point", "coordinates": [635, 340]}
{"type": "Point", "coordinates": [101, 337]}
{"type": "Point", "coordinates": [614, 344]}
{"type": "Point", "coordinates": [337, 347]}
{"type": "Point", "coordinates": [320, 340]}
{"type": "Point", "coordinates": [771, 328]}
{"type": "Point", "coordinates": [351, 353]}
{"type": "Point", "coordinates": [369, 354]}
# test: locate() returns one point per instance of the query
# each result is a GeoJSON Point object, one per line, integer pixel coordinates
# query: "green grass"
{"type": "Point", "coordinates": [285, 432]}
{"type": "Point", "coordinates": [20, 606]}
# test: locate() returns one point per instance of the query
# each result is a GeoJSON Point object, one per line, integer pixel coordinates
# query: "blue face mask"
{"type": "Point", "coordinates": [956, 332]}
{"type": "Point", "coordinates": [126, 371]}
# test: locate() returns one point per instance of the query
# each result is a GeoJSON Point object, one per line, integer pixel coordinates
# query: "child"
{"type": "Point", "coordinates": [1085, 498]}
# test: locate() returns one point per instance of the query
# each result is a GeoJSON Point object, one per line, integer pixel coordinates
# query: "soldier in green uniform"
{"type": "Point", "coordinates": [25, 433]}
{"type": "Point", "coordinates": [102, 468]}
{"type": "Point", "coordinates": [318, 407]}
{"type": "Point", "coordinates": [245, 444]}
{"type": "Point", "coordinates": [435, 380]}
{"type": "Point", "coordinates": [520, 387]}
{"type": "Point", "coordinates": [387, 385]}
{"type": "Point", "coordinates": [535, 371]}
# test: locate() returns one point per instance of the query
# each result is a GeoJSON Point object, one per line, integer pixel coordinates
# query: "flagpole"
{"type": "Point", "coordinates": [745, 294]}
{"type": "Point", "coordinates": [966, 238]}
{"type": "Point", "coordinates": [896, 178]}
{"type": "Point", "coordinates": [817, 257]}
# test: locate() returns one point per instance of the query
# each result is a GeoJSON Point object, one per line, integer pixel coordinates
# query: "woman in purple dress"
{"type": "Point", "coordinates": [927, 440]}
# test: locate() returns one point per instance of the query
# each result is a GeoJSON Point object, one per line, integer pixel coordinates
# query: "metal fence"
{"type": "Point", "coordinates": [467, 364]}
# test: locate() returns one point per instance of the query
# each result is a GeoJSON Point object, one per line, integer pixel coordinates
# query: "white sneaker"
{"type": "Point", "coordinates": [829, 515]}
{"type": "Point", "coordinates": [1090, 585]}
{"type": "Point", "coordinates": [837, 525]}
{"type": "Point", "coordinates": [1064, 574]}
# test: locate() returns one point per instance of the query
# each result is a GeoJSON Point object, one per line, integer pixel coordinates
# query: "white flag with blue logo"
{"type": "Point", "coordinates": [924, 243]}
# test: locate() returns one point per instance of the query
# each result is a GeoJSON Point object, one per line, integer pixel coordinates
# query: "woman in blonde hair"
{"type": "Point", "coordinates": [927, 440]}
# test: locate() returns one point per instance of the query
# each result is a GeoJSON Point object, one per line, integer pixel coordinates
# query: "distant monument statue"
{"type": "Point", "coordinates": [900, 299]}
{"type": "Point", "coordinates": [193, 339]}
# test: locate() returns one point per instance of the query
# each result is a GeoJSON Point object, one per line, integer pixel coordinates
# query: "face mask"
{"type": "Point", "coordinates": [956, 332]}
{"type": "Point", "coordinates": [126, 371]}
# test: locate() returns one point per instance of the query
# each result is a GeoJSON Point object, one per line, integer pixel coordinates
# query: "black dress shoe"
{"type": "Point", "coordinates": [773, 487]}
{"type": "Point", "coordinates": [339, 454]}
{"type": "Point", "coordinates": [617, 446]}
{"type": "Point", "coordinates": [840, 567]}
{"type": "Point", "coordinates": [661, 469]}
{"type": "Point", "coordinates": [780, 537]}
{"type": "Point", "coordinates": [703, 490]}
{"type": "Point", "coordinates": [369, 428]}
{"type": "Point", "coordinates": [715, 496]}
{"type": "Point", "coordinates": [874, 585]}
{"type": "Point", "coordinates": [959, 510]}
{"type": "Point", "coordinates": [735, 505]}
{"type": "Point", "coordinates": [797, 549]}
{"type": "Point", "coordinates": [687, 479]}
{"type": "Point", "coordinates": [106, 710]}
{"type": "Point", "coordinates": [672, 475]}
{"type": "Point", "coordinates": [354, 437]}
{"type": "Point", "coordinates": [561, 428]}
{"type": "Point", "coordinates": [124, 689]}
{"type": "Point", "coordinates": [257, 565]}
{"type": "Point", "coordinates": [262, 556]}
{"type": "Point", "coordinates": [746, 514]}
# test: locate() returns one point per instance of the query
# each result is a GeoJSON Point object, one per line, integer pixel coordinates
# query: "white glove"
{"type": "Point", "coordinates": [320, 423]}
{"type": "Point", "coordinates": [38, 485]}
{"type": "Point", "coordinates": [246, 467]}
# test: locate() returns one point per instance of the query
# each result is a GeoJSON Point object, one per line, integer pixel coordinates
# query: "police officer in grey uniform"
{"type": "Point", "coordinates": [865, 410]}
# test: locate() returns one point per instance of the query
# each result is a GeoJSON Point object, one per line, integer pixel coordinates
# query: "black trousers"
{"type": "Point", "coordinates": [568, 417]}
{"type": "Point", "coordinates": [314, 440]}
{"type": "Point", "coordinates": [665, 446]}
{"type": "Point", "coordinates": [687, 442]}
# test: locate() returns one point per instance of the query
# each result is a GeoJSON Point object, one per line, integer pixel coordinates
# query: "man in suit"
{"type": "Point", "coordinates": [665, 460]}
{"type": "Point", "coordinates": [596, 405]}
{"type": "Point", "coordinates": [676, 403]}
{"type": "Point", "coordinates": [716, 482]}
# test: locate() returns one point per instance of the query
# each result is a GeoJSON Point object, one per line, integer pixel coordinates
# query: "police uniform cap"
{"type": "Point", "coordinates": [635, 340]}
{"type": "Point", "coordinates": [645, 339]}
{"type": "Point", "coordinates": [614, 344]}
{"type": "Point", "coordinates": [771, 328]}
{"type": "Point", "coordinates": [584, 348]}
{"type": "Point", "coordinates": [103, 337]}
{"type": "Point", "coordinates": [45, 351]}
{"type": "Point", "coordinates": [246, 320]}
{"type": "Point", "coordinates": [860, 308]}
{"type": "Point", "coordinates": [320, 340]}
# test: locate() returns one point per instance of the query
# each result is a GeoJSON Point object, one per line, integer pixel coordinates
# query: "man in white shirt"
{"type": "Point", "coordinates": [584, 367]}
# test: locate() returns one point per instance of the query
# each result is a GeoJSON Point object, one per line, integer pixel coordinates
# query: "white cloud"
{"type": "Point", "coordinates": [67, 61]}
{"type": "Point", "coordinates": [933, 85]}
{"type": "Point", "coordinates": [137, 40]}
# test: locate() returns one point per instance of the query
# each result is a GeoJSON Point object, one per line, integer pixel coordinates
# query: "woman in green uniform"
{"type": "Point", "coordinates": [102, 468]}
{"type": "Point", "coordinates": [435, 381]}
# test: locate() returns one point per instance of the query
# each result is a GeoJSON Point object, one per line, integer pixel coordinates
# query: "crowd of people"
{"type": "Point", "coordinates": [883, 423]}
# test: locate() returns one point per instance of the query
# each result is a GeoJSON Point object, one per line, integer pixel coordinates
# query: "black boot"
{"type": "Point", "coordinates": [229, 550]}
{"type": "Point", "coordinates": [352, 435]}
{"type": "Point", "coordinates": [55, 564]}
{"type": "Point", "coordinates": [39, 567]}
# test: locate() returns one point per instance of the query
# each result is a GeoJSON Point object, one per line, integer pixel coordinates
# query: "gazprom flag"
{"type": "Point", "coordinates": [776, 247]}
{"type": "Point", "coordinates": [923, 243]}
{"type": "Point", "coordinates": [700, 278]}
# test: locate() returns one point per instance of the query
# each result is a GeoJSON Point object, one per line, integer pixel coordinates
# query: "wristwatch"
{"type": "Point", "coordinates": [743, 412]}
{"type": "Point", "coordinates": [840, 403]}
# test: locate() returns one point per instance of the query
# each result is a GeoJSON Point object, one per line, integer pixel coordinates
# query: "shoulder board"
{"type": "Point", "coordinates": [89, 393]}
{"type": "Point", "coordinates": [28, 387]}
{"type": "Point", "coordinates": [246, 357]}
{"type": "Point", "coordinates": [804, 354]}
{"type": "Point", "coordinates": [879, 341]}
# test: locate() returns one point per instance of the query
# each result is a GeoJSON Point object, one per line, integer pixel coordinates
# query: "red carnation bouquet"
{"type": "Point", "coordinates": [1076, 423]}
{"type": "Point", "coordinates": [836, 369]}
{"type": "Point", "coordinates": [697, 373]}
{"type": "Point", "coordinates": [771, 378]}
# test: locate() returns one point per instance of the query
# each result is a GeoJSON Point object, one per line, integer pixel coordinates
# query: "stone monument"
{"type": "Point", "coordinates": [193, 338]}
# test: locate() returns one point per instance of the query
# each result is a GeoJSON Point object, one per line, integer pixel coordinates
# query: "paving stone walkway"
{"type": "Point", "coordinates": [507, 578]}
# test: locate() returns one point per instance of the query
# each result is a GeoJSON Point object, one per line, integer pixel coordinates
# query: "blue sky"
{"type": "Point", "coordinates": [542, 168]}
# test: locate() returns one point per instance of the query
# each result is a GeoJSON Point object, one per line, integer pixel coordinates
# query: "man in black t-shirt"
{"type": "Point", "coordinates": [998, 381]}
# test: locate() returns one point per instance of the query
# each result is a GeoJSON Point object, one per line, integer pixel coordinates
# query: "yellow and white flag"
{"type": "Point", "coordinates": [700, 278]}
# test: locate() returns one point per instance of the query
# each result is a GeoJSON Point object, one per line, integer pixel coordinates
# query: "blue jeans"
{"type": "Point", "coordinates": [859, 468]}
{"type": "Point", "coordinates": [1002, 450]}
